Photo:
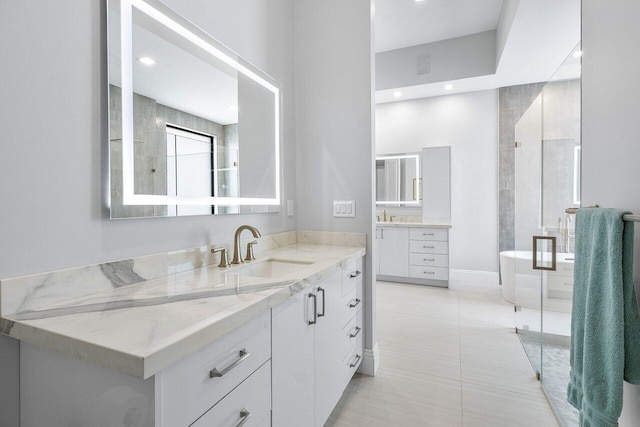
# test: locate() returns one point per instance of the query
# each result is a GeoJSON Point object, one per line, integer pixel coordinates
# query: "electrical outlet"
{"type": "Point", "coordinates": [344, 208]}
{"type": "Point", "coordinates": [289, 207]}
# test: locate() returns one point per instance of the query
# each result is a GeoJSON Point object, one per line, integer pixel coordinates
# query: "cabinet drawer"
{"type": "Point", "coordinates": [559, 283]}
{"type": "Point", "coordinates": [189, 388]}
{"type": "Point", "coordinates": [351, 333]}
{"type": "Point", "coordinates": [351, 362]}
{"type": "Point", "coordinates": [437, 234]}
{"type": "Point", "coordinates": [351, 276]}
{"type": "Point", "coordinates": [428, 247]}
{"type": "Point", "coordinates": [350, 305]}
{"type": "Point", "coordinates": [432, 260]}
{"type": "Point", "coordinates": [433, 273]}
{"type": "Point", "coordinates": [250, 401]}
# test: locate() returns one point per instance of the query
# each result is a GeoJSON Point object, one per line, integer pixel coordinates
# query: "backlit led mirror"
{"type": "Point", "coordinates": [193, 128]}
{"type": "Point", "coordinates": [398, 180]}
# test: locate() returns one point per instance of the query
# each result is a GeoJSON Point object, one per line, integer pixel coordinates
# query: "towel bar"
{"type": "Point", "coordinates": [628, 217]}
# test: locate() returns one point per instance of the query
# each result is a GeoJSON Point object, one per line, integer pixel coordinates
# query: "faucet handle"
{"type": "Point", "coordinates": [224, 262]}
{"type": "Point", "coordinates": [391, 218]}
{"type": "Point", "coordinates": [250, 256]}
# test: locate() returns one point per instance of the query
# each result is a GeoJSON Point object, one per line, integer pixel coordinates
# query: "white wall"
{"type": "Point", "coordinates": [468, 123]}
{"type": "Point", "coordinates": [334, 132]}
{"type": "Point", "coordinates": [53, 116]}
{"type": "Point", "coordinates": [610, 125]}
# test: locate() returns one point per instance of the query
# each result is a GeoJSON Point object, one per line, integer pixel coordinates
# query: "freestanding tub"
{"type": "Point", "coordinates": [520, 263]}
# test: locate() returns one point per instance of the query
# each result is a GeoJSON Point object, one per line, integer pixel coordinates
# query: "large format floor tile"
{"type": "Point", "coordinates": [448, 357]}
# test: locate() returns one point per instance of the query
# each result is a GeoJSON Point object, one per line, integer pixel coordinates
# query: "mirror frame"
{"type": "Point", "coordinates": [184, 28]}
{"type": "Point", "coordinates": [407, 203]}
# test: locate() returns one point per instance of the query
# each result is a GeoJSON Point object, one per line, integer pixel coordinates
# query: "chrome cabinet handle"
{"type": "Point", "coordinates": [427, 234]}
{"type": "Point", "coordinates": [355, 334]}
{"type": "Point", "coordinates": [214, 373]}
{"type": "Point", "coordinates": [315, 310]}
{"type": "Point", "coordinates": [323, 298]}
{"type": "Point", "coordinates": [354, 275]}
{"type": "Point", "coordinates": [428, 259]}
{"type": "Point", "coordinates": [428, 247]}
{"type": "Point", "coordinates": [355, 362]}
{"type": "Point", "coordinates": [244, 417]}
{"type": "Point", "coordinates": [429, 272]}
{"type": "Point", "coordinates": [382, 233]}
{"type": "Point", "coordinates": [355, 304]}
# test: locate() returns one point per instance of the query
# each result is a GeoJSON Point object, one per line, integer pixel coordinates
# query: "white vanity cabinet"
{"type": "Point", "coordinates": [317, 347]}
{"type": "Point", "coordinates": [393, 254]}
{"type": "Point", "coordinates": [413, 254]}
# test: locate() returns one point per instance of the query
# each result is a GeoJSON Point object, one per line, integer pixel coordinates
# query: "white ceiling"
{"type": "Point", "coordinates": [404, 23]}
{"type": "Point", "coordinates": [542, 34]}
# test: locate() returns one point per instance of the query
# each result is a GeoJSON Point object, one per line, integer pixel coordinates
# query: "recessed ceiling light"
{"type": "Point", "coordinates": [397, 94]}
{"type": "Point", "coordinates": [234, 107]}
{"type": "Point", "coordinates": [419, 1]}
{"type": "Point", "coordinates": [577, 54]}
{"type": "Point", "coordinates": [448, 87]}
{"type": "Point", "coordinates": [146, 60]}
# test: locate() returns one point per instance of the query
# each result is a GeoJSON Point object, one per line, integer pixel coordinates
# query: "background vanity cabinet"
{"type": "Point", "coordinates": [413, 254]}
{"type": "Point", "coordinates": [317, 347]}
{"type": "Point", "coordinates": [393, 254]}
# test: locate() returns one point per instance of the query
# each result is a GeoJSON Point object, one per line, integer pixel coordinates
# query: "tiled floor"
{"type": "Point", "coordinates": [447, 358]}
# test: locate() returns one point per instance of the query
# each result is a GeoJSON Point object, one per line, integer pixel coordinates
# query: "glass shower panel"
{"type": "Point", "coordinates": [528, 202]}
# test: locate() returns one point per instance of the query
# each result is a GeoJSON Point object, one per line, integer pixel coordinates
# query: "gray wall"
{"type": "Point", "coordinates": [334, 122]}
{"type": "Point", "coordinates": [514, 101]}
{"type": "Point", "coordinates": [53, 163]}
{"type": "Point", "coordinates": [468, 123]}
{"type": "Point", "coordinates": [611, 124]}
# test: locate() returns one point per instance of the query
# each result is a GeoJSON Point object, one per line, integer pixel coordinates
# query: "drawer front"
{"type": "Point", "coordinates": [350, 334]}
{"type": "Point", "coordinates": [432, 260]}
{"type": "Point", "coordinates": [250, 401]}
{"type": "Point", "coordinates": [351, 362]}
{"type": "Point", "coordinates": [560, 283]}
{"type": "Point", "coordinates": [188, 388]}
{"type": "Point", "coordinates": [351, 276]}
{"type": "Point", "coordinates": [350, 305]}
{"type": "Point", "coordinates": [437, 234]}
{"type": "Point", "coordinates": [433, 273]}
{"type": "Point", "coordinates": [428, 247]}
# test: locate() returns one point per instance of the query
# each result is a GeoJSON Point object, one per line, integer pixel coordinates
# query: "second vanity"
{"type": "Point", "coordinates": [273, 342]}
{"type": "Point", "coordinates": [411, 252]}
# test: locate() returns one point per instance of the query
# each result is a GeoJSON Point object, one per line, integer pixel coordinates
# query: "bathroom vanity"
{"type": "Point", "coordinates": [413, 253]}
{"type": "Point", "coordinates": [276, 339]}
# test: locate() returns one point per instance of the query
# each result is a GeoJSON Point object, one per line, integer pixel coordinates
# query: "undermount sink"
{"type": "Point", "coordinates": [270, 268]}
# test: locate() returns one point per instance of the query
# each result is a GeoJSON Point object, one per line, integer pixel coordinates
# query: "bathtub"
{"type": "Point", "coordinates": [521, 262]}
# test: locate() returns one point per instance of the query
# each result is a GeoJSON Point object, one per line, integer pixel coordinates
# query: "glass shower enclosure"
{"type": "Point", "coordinates": [547, 182]}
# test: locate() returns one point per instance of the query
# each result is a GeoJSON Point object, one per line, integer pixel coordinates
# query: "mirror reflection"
{"type": "Point", "coordinates": [398, 180]}
{"type": "Point", "coordinates": [194, 129]}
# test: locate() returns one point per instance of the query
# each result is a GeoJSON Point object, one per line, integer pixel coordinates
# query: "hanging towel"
{"type": "Point", "coordinates": [605, 325]}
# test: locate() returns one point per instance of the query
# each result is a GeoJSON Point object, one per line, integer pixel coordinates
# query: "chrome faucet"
{"type": "Point", "coordinates": [237, 256]}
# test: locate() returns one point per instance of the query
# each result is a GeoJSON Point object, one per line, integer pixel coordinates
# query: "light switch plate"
{"type": "Point", "coordinates": [344, 208]}
{"type": "Point", "coordinates": [289, 207]}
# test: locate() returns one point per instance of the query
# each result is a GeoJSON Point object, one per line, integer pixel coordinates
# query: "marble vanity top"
{"type": "Point", "coordinates": [434, 224]}
{"type": "Point", "coordinates": [142, 328]}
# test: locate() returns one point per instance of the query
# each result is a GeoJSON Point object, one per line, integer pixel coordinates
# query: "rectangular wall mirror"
{"type": "Point", "coordinates": [398, 180]}
{"type": "Point", "coordinates": [193, 128]}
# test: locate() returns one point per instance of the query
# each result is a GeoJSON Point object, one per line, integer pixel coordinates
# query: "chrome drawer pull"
{"type": "Point", "coordinates": [355, 304]}
{"type": "Point", "coordinates": [323, 298]}
{"type": "Point", "coordinates": [429, 272]}
{"type": "Point", "coordinates": [315, 310]}
{"type": "Point", "coordinates": [214, 373]}
{"type": "Point", "coordinates": [428, 259]}
{"type": "Point", "coordinates": [429, 247]}
{"type": "Point", "coordinates": [568, 284]}
{"type": "Point", "coordinates": [356, 274]}
{"type": "Point", "coordinates": [355, 334]}
{"type": "Point", "coordinates": [427, 234]}
{"type": "Point", "coordinates": [355, 363]}
{"type": "Point", "coordinates": [244, 417]}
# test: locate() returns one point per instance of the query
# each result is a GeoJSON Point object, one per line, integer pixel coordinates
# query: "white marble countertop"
{"type": "Point", "coordinates": [413, 224]}
{"type": "Point", "coordinates": [142, 328]}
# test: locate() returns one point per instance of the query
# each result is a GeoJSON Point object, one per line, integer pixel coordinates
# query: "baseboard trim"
{"type": "Point", "coordinates": [370, 361]}
{"type": "Point", "coordinates": [458, 277]}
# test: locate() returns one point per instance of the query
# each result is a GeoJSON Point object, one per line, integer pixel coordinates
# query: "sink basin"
{"type": "Point", "coordinates": [270, 268]}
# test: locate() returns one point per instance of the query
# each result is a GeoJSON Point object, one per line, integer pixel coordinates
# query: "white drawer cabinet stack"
{"type": "Point", "coordinates": [422, 257]}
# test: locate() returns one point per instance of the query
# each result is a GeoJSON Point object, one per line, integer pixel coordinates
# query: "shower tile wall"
{"type": "Point", "coordinates": [514, 101]}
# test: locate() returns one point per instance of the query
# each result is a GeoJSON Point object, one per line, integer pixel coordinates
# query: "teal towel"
{"type": "Point", "coordinates": [605, 325]}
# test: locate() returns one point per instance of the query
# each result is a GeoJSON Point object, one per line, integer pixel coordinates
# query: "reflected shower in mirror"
{"type": "Point", "coordinates": [194, 129]}
{"type": "Point", "coordinates": [398, 180]}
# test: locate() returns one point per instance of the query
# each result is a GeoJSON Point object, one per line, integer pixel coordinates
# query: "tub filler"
{"type": "Point", "coordinates": [517, 266]}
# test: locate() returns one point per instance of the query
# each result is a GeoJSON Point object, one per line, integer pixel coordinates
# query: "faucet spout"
{"type": "Point", "coordinates": [237, 256]}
